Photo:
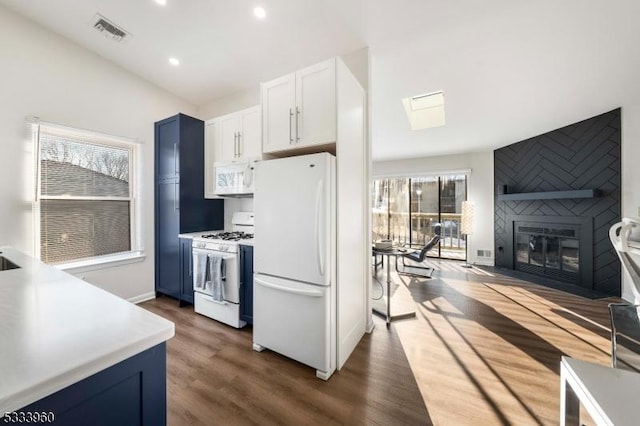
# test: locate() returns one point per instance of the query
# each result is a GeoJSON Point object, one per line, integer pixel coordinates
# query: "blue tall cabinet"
{"type": "Point", "coordinates": [180, 206]}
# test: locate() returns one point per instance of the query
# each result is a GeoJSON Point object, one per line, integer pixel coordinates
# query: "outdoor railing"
{"type": "Point", "coordinates": [395, 226]}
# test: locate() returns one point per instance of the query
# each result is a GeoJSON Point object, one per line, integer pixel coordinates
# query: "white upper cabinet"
{"type": "Point", "coordinates": [228, 147]}
{"type": "Point", "coordinates": [278, 110]}
{"type": "Point", "coordinates": [240, 136]}
{"type": "Point", "coordinates": [299, 109]}
{"type": "Point", "coordinates": [316, 104]}
{"type": "Point", "coordinates": [250, 142]}
{"type": "Point", "coordinates": [231, 138]}
{"type": "Point", "coordinates": [210, 156]}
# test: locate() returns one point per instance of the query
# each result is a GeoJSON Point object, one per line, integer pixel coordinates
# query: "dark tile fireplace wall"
{"type": "Point", "coordinates": [584, 155]}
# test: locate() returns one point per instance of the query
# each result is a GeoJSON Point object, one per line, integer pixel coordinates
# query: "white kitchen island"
{"type": "Point", "coordinates": [78, 351]}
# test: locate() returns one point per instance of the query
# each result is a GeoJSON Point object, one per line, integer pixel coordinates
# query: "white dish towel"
{"type": "Point", "coordinates": [200, 261]}
{"type": "Point", "coordinates": [216, 275]}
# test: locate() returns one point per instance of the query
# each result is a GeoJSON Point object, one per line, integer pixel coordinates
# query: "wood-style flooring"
{"type": "Point", "coordinates": [215, 378]}
{"type": "Point", "coordinates": [483, 349]}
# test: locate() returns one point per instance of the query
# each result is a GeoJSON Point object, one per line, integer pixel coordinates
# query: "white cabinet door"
{"type": "Point", "coordinates": [229, 125]}
{"type": "Point", "coordinates": [315, 118]}
{"type": "Point", "coordinates": [210, 157]}
{"type": "Point", "coordinates": [278, 111]}
{"type": "Point", "coordinates": [251, 133]}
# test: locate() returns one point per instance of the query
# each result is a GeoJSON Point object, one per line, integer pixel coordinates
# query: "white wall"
{"type": "Point", "coordinates": [479, 186]}
{"type": "Point", "coordinates": [45, 75]}
{"type": "Point", "coordinates": [232, 103]}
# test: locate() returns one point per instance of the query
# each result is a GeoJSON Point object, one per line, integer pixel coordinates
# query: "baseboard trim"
{"type": "Point", "coordinates": [484, 262]}
{"type": "Point", "coordinates": [142, 298]}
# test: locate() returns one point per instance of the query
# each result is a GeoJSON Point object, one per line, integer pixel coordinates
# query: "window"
{"type": "Point", "coordinates": [410, 210]}
{"type": "Point", "coordinates": [84, 196]}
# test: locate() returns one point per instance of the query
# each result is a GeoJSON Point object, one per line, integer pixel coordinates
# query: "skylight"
{"type": "Point", "coordinates": [425, 111]}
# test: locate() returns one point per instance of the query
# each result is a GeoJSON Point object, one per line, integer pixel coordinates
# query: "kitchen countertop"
{"type": "Point", "coordinates": [56, 330]}
{"type": "Point", "coordinates": [199, 234]}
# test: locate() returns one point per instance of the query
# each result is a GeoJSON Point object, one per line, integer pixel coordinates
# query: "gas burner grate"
{"type": "Point", "coordinates": [229, 236]}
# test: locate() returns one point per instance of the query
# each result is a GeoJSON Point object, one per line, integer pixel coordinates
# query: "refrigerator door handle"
{"type": "Point", "coordinates": [310, 293]}
{"type": "Point", "coordinates": [319, 219]}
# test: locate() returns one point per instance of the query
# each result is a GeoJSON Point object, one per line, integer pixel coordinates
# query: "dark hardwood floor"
{"type": "Point", "coordinates": [214, 377]}
{"type": "Point", "coordinates": [483, 349]}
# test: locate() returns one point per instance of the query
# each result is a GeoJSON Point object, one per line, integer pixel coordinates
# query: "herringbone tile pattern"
{"type": "Point", "coordinates": [585, 155]}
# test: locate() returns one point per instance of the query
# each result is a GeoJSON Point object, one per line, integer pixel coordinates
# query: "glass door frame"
{"type": "Point", "coordinates": [409, 182]}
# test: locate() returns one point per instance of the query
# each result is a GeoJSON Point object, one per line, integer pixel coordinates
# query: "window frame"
{"type": "Point", "coordinates": [136, 252]}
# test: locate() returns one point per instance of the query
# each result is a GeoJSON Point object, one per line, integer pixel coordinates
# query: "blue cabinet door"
{"type": "Point", "coordinates": [186, 267]}
{"type": "Point", "coordinates": [167, 242]}
{"type": "Point", "coordinates": [132, 392]}
{"type": "Point", "coordinates": [246, 284]}
{"type": "Point", "coordinates": [180, 206]}
{"type": "Point", "coordinates": [167, 156]}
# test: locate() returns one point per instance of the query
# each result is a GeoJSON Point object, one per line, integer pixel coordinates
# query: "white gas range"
{"type": "Point", "coordinates": [216, 270]}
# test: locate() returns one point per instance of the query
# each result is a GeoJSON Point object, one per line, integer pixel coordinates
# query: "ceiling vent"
{"type": "Point", "coordinates": [109, 29]}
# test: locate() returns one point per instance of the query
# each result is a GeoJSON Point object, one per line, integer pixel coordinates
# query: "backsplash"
{"type": "Point", "coordinates": [232, 205]}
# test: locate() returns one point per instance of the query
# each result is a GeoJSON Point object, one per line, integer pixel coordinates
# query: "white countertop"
{"type": "Point", "coordinates": [56, 330]}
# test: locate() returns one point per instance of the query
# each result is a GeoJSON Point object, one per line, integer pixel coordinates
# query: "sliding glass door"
{"type": "Point", "coordinates": [411, 211]}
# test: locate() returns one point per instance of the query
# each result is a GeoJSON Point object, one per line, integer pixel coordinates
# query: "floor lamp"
{"type": "Point", "coordinates": [466, 227]}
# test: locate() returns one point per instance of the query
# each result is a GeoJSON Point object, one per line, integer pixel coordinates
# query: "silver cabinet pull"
{"type": "Point", "coordinates": [176, 195]}
{"type": "Point", "coordinates": [290, 119]}
{"type": "Point", "coordinates": [239, 146]}
{"type": "Point", "coordinates": [175, 158]}
{"type": "Point", "coordinates": [235, 144]}
{"type": "Point", "coordinates": [297, 133]}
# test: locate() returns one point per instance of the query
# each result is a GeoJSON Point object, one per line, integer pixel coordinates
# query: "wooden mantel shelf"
{"type": "Point", "coordinates": [549, 195]}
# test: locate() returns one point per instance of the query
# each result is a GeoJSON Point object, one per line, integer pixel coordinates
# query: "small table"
{"type": "Point", "coordinates": [609, 395]}
{"type": "Point", "coordinates": [394, 252]}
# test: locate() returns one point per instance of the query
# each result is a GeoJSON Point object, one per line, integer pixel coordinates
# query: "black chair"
{"type": "Point", "coordinates": [418, 257]}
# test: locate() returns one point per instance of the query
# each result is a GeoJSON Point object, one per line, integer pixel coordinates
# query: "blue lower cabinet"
{"type": "Point", "coordinates": [132, 392]}
{"type": "Point", "coordinates": [186, 272]}
{"type": "Point", "coordinates": [246, 284]}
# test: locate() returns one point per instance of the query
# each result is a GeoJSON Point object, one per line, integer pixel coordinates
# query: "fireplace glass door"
{"type": "Point", "coordinates": [548, 250]}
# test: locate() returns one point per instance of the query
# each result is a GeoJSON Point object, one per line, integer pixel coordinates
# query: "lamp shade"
{"type": "Point", "coordinates": [466, 221]}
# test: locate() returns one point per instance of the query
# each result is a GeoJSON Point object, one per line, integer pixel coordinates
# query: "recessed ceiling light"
{"type": "Point", "coordinates": [174, 61]}
{"type": "Point", "coordinates": [260, 12]}
{"type": "Point", "coordinates": [161, 2]}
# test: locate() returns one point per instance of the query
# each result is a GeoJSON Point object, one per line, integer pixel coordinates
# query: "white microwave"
{"type": "Point", "coordinates": [234, 179]}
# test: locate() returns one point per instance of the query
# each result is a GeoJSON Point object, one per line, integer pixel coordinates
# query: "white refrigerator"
{"type": "Point", "coordinates": [295, 260]}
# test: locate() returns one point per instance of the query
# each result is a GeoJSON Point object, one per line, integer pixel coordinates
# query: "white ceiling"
{"type": "Point", "coordinates": [510, 69]}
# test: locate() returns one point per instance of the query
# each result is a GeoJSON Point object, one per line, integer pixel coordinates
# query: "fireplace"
{"type": "Point", "coordinates": [554, 247]}
{"type": "Point", "coordinates": [548, 249]}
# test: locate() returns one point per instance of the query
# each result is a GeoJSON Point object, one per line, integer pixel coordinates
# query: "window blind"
{"type": "Point", "coordinates": [85, 197]}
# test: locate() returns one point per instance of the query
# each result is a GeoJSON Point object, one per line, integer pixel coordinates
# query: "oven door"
{"type": "Point", "coordinates": [230, 274]}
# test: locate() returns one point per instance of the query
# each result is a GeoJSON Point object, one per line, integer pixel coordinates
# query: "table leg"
{"type": "Point", "coordinates": [388, 291]}
{"type": "Point", "coordinates": [569, 403]}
